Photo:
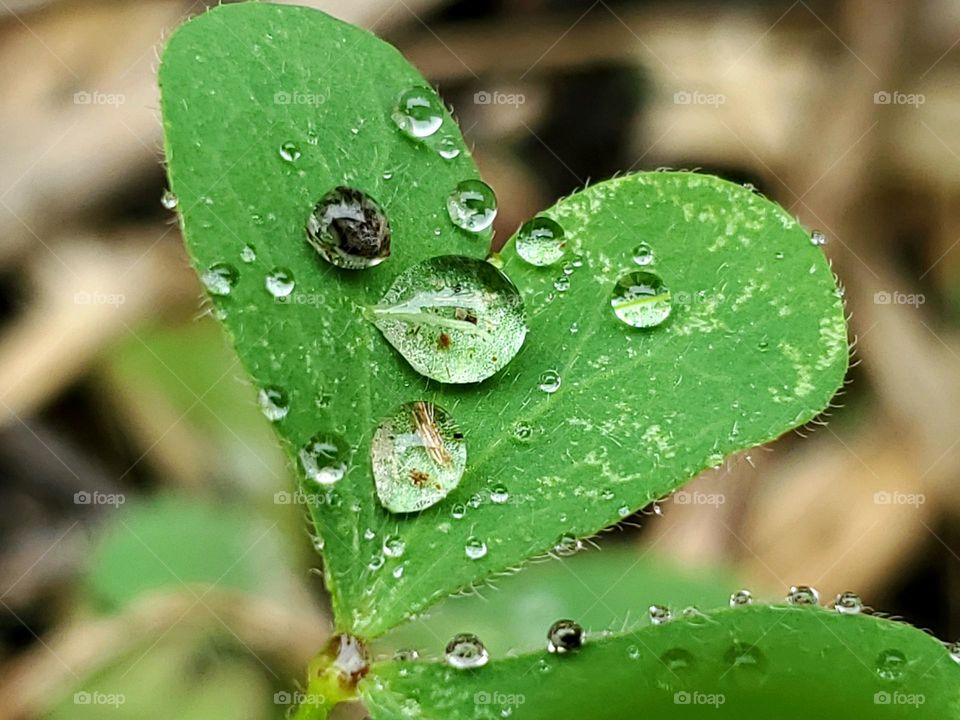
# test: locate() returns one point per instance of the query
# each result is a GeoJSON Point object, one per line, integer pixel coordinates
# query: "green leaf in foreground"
{"type": "Point", "coordinates": [591, 420]}
{"type": "Point", "coordinates": [745, 663]}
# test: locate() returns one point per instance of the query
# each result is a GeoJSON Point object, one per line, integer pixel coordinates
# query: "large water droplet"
{"type": "Point", "coordinates": [803, 595]}
{"type": "Point", "coordinates": [273, 403]}
{"type": "Point", "coordinates": [169, 200]}
{"type": "Point", "coordinates": [220, 278]}
{"type": "Point", "coordinates": [641, 300]}
{"type": "Point", "coordinates": [349, 229]}
{"type": "Point", "coordinates": [465, 652]}
{"type": "Point", "coordinates": [455, 319]}
{"type": "Point", "coordinates": [279, 282]}
{"type": "Point", "coordinates": [564, 636]}
{"type": "Point", "coordinates": [419, 113]}
{"type": "Point", "coordinates": [643, 254]}
{"type": "Point", "coordinates": [740, 598]}
{"type": "Point", "coordinates": [324, 458]}
{"type": "Point", "coordinates": [472, 206]}
{"type": "Point", "coordinates": [475, 548]}
{"type": "Point", "coordinates": [418, 455]}
{"type": "Point", "coordinates": [540, 241]}
{"type": "Point", "coordinates": [848, 603]}
{"type": "Point", "coordinates": [659, 614]}
{"type": "Point", "coordinates": [290, 152]}
{"type": "Point", "coordinates": [891, 664]}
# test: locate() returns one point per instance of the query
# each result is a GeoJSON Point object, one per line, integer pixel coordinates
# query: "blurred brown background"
{"type": "Point", "coordinates": [143, 543]}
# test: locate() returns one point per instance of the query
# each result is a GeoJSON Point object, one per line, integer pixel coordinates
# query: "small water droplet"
{"type": "Point", "coordinates": [848, 603]}
{"type": "Point", "coordinates": [458, 511]}
{"type": "Point", "coordinates": [741, 598]}
{"type": "Point", "coordinates": [220, 278]}
{"type": "Point", "coordinates": [349, 229]}
{"type": "Point", "coordinates": [273, 402]}
{"type": "Point", "coordinates": [499, 495]}
{"type": "Point", "coordinates": [418, 455]}
{"type": "Point", "coordinates": [567, 545]}
{"type": "Point", "coordinates": [891, 664]}
{"type": "Point", "coordinates": [678, 660]}
{"type": "Point", "coordinates": [169, 200]}
{"type": "Point", "coordinates": [659, 614]}
{"type": "Point", "coordinates": [549, 381]}
{"type": "Point", "coordinates": [475, 548]}
{"type": "Point", "coordinates": [290, 152]}
{"type": "Point", "coordinates": [248, 254]}
{"type": "Point", "coordinates": [447, 147]}
{"type": "Point", "coordinates": [623, 511]}
{"type": "Point", "coordinates": [404, 655]}
{"type": "Point", "coordinates": [324, 458]}
{"type": "Point", "coordinates": [564, 636]}
{"type": "Point", "coordinates": [466, 652]}
{"type": "Point", "coordinates": [744, 656]}
{"type": "Point", "coordinates": [803, 595]}
{"type": "Point", "coordinates": [540, 241]}
{"type": "Point", "coordinates": [562, 283]}
{"type": "Point", "coordinates": [388, 175]}
{"type": "Point", "coordinates": [818, 238]}
{"type": "Point", "coordinates": [641, 300]}
{"type": "Point", "coordinates": [419, 112]}
{"type": "Point", "coordinates": [454, 319]}
{"type": "Point", "coordinates": [574, 328]}
{"type": "Point", "coordinates": [953, 649]}
{"type": "Point", "coordinates": [394, 546]}
{"type": "Point", "coordinates": [472, 206]}
{"type": "Point", "coordinates": [643, 254]}
{"type": "Point", "coordinates": [279, 282]}
{"type": "Point", "coordinates": [522, 431]}
{"type": "Point", "coordinates": [633, 652]}
{"type": "Point", "coordinates": [778, 255]}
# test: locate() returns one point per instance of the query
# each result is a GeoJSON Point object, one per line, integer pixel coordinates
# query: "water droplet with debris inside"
{"type": "Point", "coordinates": [641, 300]}
{"type": "Point", "coordinates": [564, 636]}
{"type": "Point", "coordinates": [220, 278]}
{"type": "Point", "coordinates": [273, 402]}
{"type": "Point", "coordinates": [454, 319]}
{"type": "Point", "coordinates": [418, 454]}
{"type": "Point", "coordinates": [741, 598]}
{"type": "Point", "coordinates": [472, 206]}
{"type": "Point", "coordinates": [419, 112]}
{"type": "Point", "coordinates": [466, 652]}
{"type": "Point", "coordinates": [541, 242]}
{"type": "Point", "coordinates": [349, 229]}
{"type": "Point", "coordinates": [324, 458]}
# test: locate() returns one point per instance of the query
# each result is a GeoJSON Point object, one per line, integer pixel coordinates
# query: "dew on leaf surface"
{"type": "Point", "coordinates": [419, 112]}
{"type": "Point", "coordinates": [475, 548]}
{"type": "Point", "coordinates": [564, 636]}
{"type": "Point", "coordinates": [550, 381]}
{"type": "Point", "coordinates": [890, 664]}
{"type": "Point", "coordinates": [324, 458]}
{"type": "Point", "coordinates": [740, 598]}
{"type": "Point", "coordinates": [466, 652]}
{"type": "Point", "coordinates": [248, 254]}
{"type": "Point", "coordinates": [349, 229]}
{"type": "Point", "coordinates": [220, 278]}
{"type": "Point", "coordinates": [169, 200]}
{"type": "Point", "coordinates": [541, 242]}
{"type": "Point", "coordinates": [641, 300]}
{"type": "Point", "coordinates": [279, 282]}
{"type": "Point", "coordinates": [289, 152]}
{"type": "Point", "coordinates": [848, 603]}
{"type": "Point", "coordinates": [472, 206]}
{"type": "Point", "coordinates": [643, 254]}
{"type": "Point", "coordinates": [659, 614]}
{"type": "Point", "coordinates": [273, 402]}
{"type": "Point", "coordinates": [803, 595]}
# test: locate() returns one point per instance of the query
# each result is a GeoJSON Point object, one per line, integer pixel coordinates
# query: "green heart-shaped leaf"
{"type": "Point", "coordinates": [267, 108]}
